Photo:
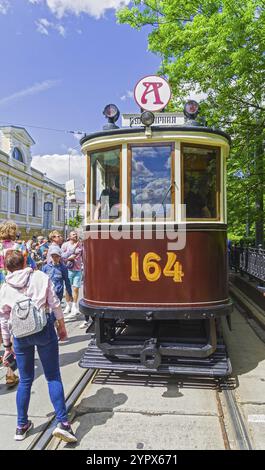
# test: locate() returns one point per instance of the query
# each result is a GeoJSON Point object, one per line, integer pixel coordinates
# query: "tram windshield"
{"type": "Point", "coordinates": [105, 184]}
{"type": "Point", "coordinates": [200, 182]}
{"type": "Point", "coordinates": [151, 182]}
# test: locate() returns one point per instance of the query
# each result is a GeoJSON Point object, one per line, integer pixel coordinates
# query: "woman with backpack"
{"type": "Point", "coordinates": [35, 287]}
{"type": "Point", "coordinates": [8, 234]}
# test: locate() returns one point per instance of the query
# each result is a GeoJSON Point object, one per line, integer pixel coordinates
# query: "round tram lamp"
{"type": "Point", "coordinates": [147, 118]}
{"type": "Point", "coordinates": [112, 113]}
{"type": "Point", "coordinates": [191, 109]}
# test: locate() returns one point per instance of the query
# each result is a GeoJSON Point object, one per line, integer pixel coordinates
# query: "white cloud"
{"type": "Point", "coordinates": [56, 167]}
{"type": "Point", "coordinates": [61, 29]}
{"type": "Point", "coordinates": [4, 6]}
{"type": "Point", "coordinates": [95, 8]}
{"type": "Point", "coordinates": [33, 90]}
{"type": "Point", "coordinates": [139, 169]}
{"type": "Point", "coordinates": [154, 192]}
{"type": "Point", "coordinates": [44, 26]}
{"type": "Point", "coordinates": [128, 95]}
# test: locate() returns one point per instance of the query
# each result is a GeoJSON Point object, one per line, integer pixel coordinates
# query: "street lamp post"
{"type": "Point", "coordinates": [70, 153]}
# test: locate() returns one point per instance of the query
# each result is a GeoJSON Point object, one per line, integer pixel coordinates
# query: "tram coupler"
{"type": "Point", "coordinates": [150, 356]}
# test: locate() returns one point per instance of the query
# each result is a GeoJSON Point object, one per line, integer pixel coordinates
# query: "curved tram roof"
{"type": "Point", "coordinates": [137, 130]}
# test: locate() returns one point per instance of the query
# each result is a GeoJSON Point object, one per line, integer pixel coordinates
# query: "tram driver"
{"type": "Point", "coordinates": [196, 206]}
{"type": "Point", "coordinates": [109, 201]}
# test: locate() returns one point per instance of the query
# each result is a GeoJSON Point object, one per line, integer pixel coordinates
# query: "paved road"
{"type": "Point", "coordinates": [40, 407]}
{"type": "Point", "coordinates": [144, 412]}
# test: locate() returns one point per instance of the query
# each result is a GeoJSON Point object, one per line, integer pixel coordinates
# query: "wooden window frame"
{"type": "Point", "coordinates": [129, 180]}
{"type": "Point", "coordinates": [88, 187]}
{"type": "Point", "coordinates": [218, 181]}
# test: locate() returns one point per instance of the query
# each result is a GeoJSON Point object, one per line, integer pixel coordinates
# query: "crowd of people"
{"type": "Point", "coordinates": [40, 270]}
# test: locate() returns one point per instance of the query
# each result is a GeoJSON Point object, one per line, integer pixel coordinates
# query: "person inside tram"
{"type": "Point", "coordinates": [108, 204]}
{"type": "Point", "coordinates": [196, 205]}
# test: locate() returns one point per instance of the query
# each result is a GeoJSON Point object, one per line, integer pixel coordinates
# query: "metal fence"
{"type": "Point", "coordinates": [248, 260]}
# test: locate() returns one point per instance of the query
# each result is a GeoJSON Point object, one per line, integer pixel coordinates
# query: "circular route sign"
{"type": "Point", "coordinates": [152, 93]}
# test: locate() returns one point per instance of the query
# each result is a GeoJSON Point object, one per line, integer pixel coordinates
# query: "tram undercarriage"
{"type": "Point", "coordinates": [183, 346]}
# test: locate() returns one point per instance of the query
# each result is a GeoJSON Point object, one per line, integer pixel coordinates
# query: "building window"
{"type": "Point", "coordinates": [59, 213]}
{"type": "Point", "coordinates": [17, 200]}
{"type": "Point", "coordinates": [34, 205]}
{"type": "Point", "coordinates": [17, 155]}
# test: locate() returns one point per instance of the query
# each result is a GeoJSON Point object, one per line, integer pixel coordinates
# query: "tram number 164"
{"type": "Point", "coordinates": [152, 269]}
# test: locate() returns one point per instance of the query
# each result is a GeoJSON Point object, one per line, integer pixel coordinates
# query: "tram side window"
{"type": "Point", "coordinates": [152, 182]}
{"type": "Point", "coordinates": [200, 181]}
{"type": "Point", "coordinates": [105, 184]}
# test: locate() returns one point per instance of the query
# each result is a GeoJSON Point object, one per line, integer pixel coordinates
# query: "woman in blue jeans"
{"type": "Point", "coordinates": [37, 286]}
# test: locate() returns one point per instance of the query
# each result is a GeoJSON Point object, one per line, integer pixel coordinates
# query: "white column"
{"type": "Point", "coordinates": [27, 206]}
{"type": "Point", "coordinates": [54, 200]}
{"type": "Point", "coordinates": [42, 207]}
{"type": "Point", "coordinates": [8, 197]}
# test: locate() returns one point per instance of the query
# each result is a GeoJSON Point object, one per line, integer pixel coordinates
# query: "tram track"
{"type": "Point", "coordinates": [242, 438]}
{"type": "Point", "coordinates": [233, 429]}
{"type": "Point", "coordinates": [43, 439]}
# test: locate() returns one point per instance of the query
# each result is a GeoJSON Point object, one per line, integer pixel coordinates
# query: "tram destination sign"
{"type": "Point", "coordinates": [161, 119]}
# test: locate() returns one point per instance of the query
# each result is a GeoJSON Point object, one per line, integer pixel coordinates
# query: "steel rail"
{"type": "Point", "coordinates": [42, 440]}
{"type": "Point", "coordinates": [243, 440]}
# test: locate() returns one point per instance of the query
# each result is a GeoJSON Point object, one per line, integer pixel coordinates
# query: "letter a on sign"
{"type": "Point", "coordinates": [152, 93]}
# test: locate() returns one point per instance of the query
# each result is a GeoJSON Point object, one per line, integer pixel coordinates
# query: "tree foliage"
{"type": "Point", "coordinates": [75, 222]}
{"type": "Point", "coordinates": [217, 47]}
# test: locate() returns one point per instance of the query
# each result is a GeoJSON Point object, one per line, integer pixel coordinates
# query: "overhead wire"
{"type": "Point", "coordinates": [65, 131]}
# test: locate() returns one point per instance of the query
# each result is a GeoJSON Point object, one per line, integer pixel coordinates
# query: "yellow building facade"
{"type": "Point", "coordinates": [25, 190]}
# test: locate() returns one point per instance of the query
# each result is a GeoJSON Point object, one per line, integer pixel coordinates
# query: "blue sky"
{"type": "Point", "coordinates": [63, 61]}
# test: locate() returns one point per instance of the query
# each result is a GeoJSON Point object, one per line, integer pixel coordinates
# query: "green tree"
{"type": "Point", "coordinates": [76, 221]}
{"type": "Point", "coordinates": [217, 47]}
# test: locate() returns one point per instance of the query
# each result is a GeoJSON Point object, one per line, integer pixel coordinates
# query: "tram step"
{"type": "Point", "coordinates": [217, 365]}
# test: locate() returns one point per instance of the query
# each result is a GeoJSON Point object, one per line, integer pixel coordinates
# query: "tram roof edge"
{"type": "Point", "coordinates": [137, 130]}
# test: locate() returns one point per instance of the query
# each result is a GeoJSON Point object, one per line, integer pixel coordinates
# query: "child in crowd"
{"type": "Point", "coordinates": [58, 273]}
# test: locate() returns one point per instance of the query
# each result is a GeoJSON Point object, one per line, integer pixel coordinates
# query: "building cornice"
{"type": "Point", "coordinates": [19, 129]}
{"type": "Point", "coordinates": [26, 177]}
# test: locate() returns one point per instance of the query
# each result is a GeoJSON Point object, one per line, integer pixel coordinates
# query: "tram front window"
{"type": "Point", "coordinates": [105, 184]}
{"type": "Point", "coordinates": [152, 182]}
{"type": "Point", "coordinates": [200, 182]}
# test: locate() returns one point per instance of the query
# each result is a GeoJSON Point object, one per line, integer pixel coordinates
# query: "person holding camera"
{"type": "Point", "coordinates": [72, 255]}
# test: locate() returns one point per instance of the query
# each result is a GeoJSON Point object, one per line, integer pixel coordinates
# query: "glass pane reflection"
{"type": "Point", "coordinates": [200, 182]}
{"type": "Point", "coordinates": [105, 184]}
{"type": "Point", "coordinates": [151, 182]}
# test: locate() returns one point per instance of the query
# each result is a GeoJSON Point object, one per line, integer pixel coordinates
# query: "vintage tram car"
{"type": "Point", "coordinates": [155, 274]}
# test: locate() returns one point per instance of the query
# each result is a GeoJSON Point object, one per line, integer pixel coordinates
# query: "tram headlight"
{"type": "Point", "coordinates": [147, 118]}
{"type": "Point", "coordinates": [111, 112]}
{"type": "Point", "coordinates": [191, 109]}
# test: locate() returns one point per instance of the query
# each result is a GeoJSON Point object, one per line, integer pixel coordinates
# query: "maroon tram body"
{"type": "Point", "coordinates": [154, 308]}
{"type": "Point", "coordinates": [204, 281]}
